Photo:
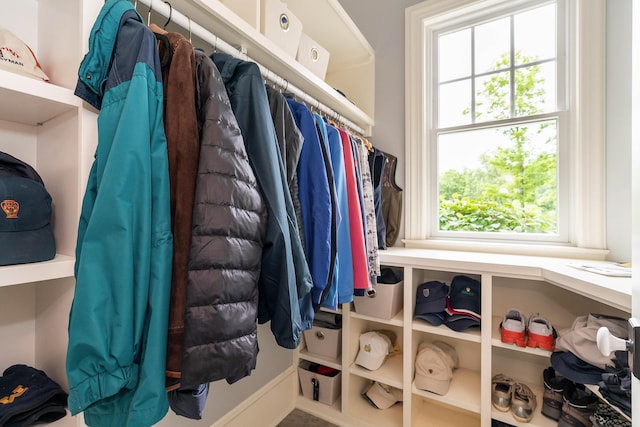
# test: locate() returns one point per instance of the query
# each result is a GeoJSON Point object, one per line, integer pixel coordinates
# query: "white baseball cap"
{"type": "Point", "coordinates": [382, 396]}
{"type": "Point", "coordinates": [435, 363]}
{"type": "Point", "coordinates": [375, 346]}
{"type": "Point", "coordinates": [16, 56]}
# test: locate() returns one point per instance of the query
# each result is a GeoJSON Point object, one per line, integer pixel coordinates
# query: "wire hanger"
{"type": "Point", "coordinates": [170, 14]}
{"type": "Point", "coordinates": [149, 13]}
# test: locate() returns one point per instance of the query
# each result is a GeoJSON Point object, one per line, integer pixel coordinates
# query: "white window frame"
{"type": "Point", "coordinates": [584, 194]}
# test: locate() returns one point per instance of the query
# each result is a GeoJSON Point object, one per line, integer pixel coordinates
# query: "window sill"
{"type": "Point", "coordinates": [557, 251]}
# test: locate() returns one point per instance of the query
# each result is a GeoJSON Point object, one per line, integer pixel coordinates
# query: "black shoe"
{"type": "Point", "coordinates": [554, 386]}
{"type": "Point", "coordinates": [579, 404]}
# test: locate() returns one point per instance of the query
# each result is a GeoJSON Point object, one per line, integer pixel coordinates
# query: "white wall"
{"type": "Point", "coordinates": [619, 129]}
{"type": "Point", "coordinates": [382, 23]}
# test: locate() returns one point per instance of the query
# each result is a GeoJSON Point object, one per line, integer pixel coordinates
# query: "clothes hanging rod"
{"type": "Point", "coordinates": [165, 9]}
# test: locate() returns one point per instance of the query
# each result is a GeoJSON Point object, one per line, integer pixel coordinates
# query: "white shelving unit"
{"type": "Point", "coordinates": [532, 284]}
{"type": "Point", "coordinates": [43, 124]}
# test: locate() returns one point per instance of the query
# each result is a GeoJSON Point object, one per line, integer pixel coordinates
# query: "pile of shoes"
{"type": "Point", "coordinates": [536, 332]}
{"type": "Point", "coordinates": [569, 403]}
{"type": "Point", "coordinates": [507, 394]}
{"type": "Point", "coordinates": [573, 405]}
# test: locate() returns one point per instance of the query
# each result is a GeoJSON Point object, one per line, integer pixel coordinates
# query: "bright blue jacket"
{"type": "Point", "coordinates": [315, 200]}
{"type": "Point", "coordinates": [331, 291]}
{"type": "Point", "coordinates": [119, 317]}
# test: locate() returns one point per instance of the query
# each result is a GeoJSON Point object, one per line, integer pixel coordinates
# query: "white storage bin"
{"type": "Point", "coordinates": [281, 26]}
{"type": "Point", "coordinates": [327, 388]}
{"type": "Point", "coordinates": [384, 304]}
{"type": "Point", "coordinates": [313, 56]}
{"type": "Point", "coordinates": [324, 342]}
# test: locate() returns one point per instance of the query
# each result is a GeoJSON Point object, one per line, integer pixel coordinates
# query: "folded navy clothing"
{"type": "Point", "coordinates": [28, 396]}
{"type": "Point", "coordinates": [324, 319]}
{"type": "Point", "coordinates": [390, 276]}
{"type": "Point", "coordinates": [189, 403]}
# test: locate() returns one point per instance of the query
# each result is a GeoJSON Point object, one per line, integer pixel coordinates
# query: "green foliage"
{"type": "Point", "coordinates": [464, 214]}
{"type": "Point", "coordinates": [514, 189]}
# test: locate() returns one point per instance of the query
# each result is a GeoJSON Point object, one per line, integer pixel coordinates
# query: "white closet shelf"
{"type": "Point", "coordinates": [59, 267]}
{"type": "Point", "coordinates": [228, 26]}
{"type": "Point", "coordinates": [32, 102]}
{"type": "Point", "coordinates": [614, 291]}
{"type": "Point", "coordinates": [389, 373]}
{"type": "Point", "coordinates": [462, 391]}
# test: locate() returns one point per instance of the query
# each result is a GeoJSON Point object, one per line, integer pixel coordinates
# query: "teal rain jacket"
{"type": "Point", "coordinates": [118, 321]}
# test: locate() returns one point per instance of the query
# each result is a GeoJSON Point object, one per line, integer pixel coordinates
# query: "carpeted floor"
{"type": "Point", "coordinates": [297, 418]}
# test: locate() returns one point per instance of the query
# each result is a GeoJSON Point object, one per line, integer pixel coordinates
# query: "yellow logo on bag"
{"type": "Point", "coordinates": [17, 392]}
{"type": "Point", "coordinates": [10, 207]}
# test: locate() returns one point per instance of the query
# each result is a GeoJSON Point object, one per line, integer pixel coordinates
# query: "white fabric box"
{"type": "Point", "coordinates": [328, 388]}
{"type": "Point", "coordinates": [313, 56]}
{"type": "Point", "coordinates": [281, 26]}
{"type": "Point", "coordinates": [324, 342]}
{"type": "Point", "coordinates": [386, 303]}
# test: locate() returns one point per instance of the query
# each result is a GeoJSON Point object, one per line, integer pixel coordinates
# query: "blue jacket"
{"type": "Point", "coordinates": [119, 317]}
{"type": "Point", "coordinates": [315, 200]}
{"type": "Point", "coordinates": [345, 276]}
{"type": "Point", "coordinates": [285, 279]}
{"type": "Point", "coordinates": [331, 292]}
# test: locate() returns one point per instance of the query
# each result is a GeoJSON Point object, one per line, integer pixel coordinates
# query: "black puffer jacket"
{"type": "Point", "coordinates": [229, 220]}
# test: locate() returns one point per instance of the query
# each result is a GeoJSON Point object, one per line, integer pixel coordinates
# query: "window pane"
{"type": "Point", "coordinates": [535, 34]}
{"type": "Point", "coordinates": [500, 179]}
{"type": "Point", "coordinates": [535, 89]}
{"type": "Point", "coordinates": [454, 55]}
{"type": "Point", "coordinates": [492, 45]}
{"type": "Point", "coordinates": [454, 102]}
{"type": "Point", "coordinates": [493, 97]}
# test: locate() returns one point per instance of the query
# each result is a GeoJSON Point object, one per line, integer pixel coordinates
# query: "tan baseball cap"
{"type": "Point", "coordinates": [435, 363]}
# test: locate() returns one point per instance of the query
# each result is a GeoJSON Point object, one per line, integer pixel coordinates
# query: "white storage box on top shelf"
{"type": "Point", "coordinates": [281, 26]}
{"type": "Point", "coordinates": [313, 56]}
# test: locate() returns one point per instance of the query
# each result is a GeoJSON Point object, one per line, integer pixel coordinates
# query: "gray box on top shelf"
{"type": "Point", "coordinates": [385, 303]}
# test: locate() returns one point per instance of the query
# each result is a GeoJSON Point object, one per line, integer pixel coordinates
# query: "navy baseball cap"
{"type": "Point", "coordinates": [431, 301]}
{"type": "Point", "coordinates": [463, 305]}
{"type": "Point", "coordinates": [30, 397]}
{"type": "Point", "coordinates": [25, 214]}
{"type": "Point", "coordinates": [572, 367]}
